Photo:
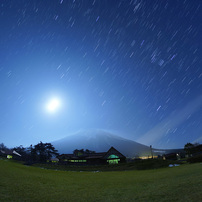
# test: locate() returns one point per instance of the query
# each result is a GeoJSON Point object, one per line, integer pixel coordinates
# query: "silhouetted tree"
{"type": "Point", "coordinates": [81, 152]}
{"type": "Point", "coordinates": [189, 148]}
{"type": "Point", "coordinates": [44, 151]}
{"type": "Point", "coordinates": [89, 151]}
{"type": "Point", "coordinates": [50, 150]}
{"type": "Point", "coordinates": [22, 151]}
{"type": "Point", "coordinates": [32, 153]}
{"type": "Point", "coordinates": [3, 147]}
{"type": "Point", "coordinates": [193, 149]}
{"type": "Point", "coordinates": [78, 152]}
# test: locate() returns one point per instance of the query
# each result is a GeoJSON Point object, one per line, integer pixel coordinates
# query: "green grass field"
{"type": "Point", "coordinates": [22, 183]}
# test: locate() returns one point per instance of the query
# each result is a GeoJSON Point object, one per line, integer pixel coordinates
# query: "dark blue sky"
{"type": "Point", "coordinates": [130, 67]}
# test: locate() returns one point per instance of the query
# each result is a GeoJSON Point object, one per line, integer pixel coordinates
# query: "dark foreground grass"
{"type": "Point", "coordinates": [22, 183]}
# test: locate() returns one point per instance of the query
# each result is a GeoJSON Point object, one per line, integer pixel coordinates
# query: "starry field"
{"type": "Point", "coordinates": [132, 67]}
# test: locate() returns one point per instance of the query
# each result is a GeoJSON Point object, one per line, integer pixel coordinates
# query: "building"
{"type": "Point", "coordinates": [53, 160]}
{"type": "Point", "coordinates": [112, 156]}
{"type": "Point", "coordinates": [8, 153]}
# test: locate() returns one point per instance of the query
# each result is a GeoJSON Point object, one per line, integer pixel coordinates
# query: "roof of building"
{"type": "Point", "coordinates": [99, 155]}
{"type": "Point", "coordinates": [9, 152]}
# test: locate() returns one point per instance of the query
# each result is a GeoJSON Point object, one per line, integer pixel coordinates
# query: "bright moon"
{"type": "Point", "coordinates": [53, 105]}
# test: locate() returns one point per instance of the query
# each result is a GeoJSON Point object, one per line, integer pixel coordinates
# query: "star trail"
{"type": "Point", "coordinates": [132, 67]}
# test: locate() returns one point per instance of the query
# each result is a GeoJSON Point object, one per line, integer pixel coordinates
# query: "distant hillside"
{"type": "Point", "coordinates": [100, 141]}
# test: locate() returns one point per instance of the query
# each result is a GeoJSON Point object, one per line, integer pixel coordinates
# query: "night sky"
{"type": "Point", "coordinates": [130, 67]}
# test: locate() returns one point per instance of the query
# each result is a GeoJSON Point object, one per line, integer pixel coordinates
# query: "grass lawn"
{"type": "Point", "coordinates": [22, 183]}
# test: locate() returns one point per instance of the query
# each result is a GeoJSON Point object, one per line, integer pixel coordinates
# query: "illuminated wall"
{"type": "Point", "coordinates": [113, 159]}
{"type": "Point", "coordinates": [9, 157]}
{"type": "Point", "coordinates": [77, 161]}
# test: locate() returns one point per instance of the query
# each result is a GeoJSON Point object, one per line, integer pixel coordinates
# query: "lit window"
{"type": "Point", "coordinates": [9, 157]}
{"type": "Point", "coordinates": [112, 156]}
{"type": "Point", "coordinates": [113, 161]}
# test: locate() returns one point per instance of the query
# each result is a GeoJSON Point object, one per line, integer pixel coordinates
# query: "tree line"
{"type": "Point", "coordinates": [40, 152]}
{"type": "Point", "coordinates": [193, 149]}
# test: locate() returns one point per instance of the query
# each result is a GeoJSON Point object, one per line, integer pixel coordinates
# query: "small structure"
{"type": "Point", "coordinates": [53, 160]}
{"type": "Point", "coordinates": [112, 156]}
{"type": "Point", "coordinates": [9, 153]}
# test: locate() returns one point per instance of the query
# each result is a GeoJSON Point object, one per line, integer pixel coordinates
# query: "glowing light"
{"type": "Point", "coordinates": [53, 105]}
{"type": "Point", "coordinates": [114, 161]}
{"type": "Point", "coordinates": [112, 156]}
{"type": "Point", "coordinates": [9, 157]}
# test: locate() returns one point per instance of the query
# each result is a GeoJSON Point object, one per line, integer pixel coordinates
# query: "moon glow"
{"type": "Point", "coordinates": [53, 105]}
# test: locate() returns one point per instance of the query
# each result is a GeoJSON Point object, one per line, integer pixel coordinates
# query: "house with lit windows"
{"type": "Point", "coordinates": [112, 156]}
{"type": "Point", "coordinates": [8, 153]}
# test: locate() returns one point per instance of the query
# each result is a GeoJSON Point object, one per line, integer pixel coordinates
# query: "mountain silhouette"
{"type": "Point", "coordinates": [100, 141]}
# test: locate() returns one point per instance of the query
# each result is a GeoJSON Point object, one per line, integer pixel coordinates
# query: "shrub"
{"type": "Point", "coordinates": [195, 159]}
